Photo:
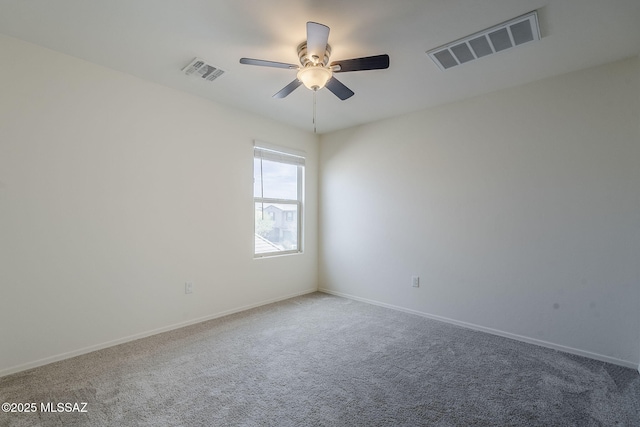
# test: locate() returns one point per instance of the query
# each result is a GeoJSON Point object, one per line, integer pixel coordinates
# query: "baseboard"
{"type": "Point", "coordinates": [85, 350]}
{"type": "Point", "coordinates": [571, 350]}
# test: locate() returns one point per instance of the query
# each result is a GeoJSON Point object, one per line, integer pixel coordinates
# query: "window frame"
{"type": "Point", "coordinates": [282, 155]}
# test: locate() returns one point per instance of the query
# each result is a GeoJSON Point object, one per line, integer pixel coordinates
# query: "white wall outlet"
{"type": "Point", "coordinates": [415, 281]}
{"type": "Point", "coordinates": [188, 287]}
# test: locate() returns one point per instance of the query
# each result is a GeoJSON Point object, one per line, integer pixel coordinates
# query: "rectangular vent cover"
{"type": "Point", "coordinates": [199, 68]}
{"type": "Point", "coordinates": [492, 40]}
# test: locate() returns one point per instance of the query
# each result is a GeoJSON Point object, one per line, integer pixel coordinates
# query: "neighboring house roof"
{"type": "Point", "coordinates": [264, 246]}
{"type": "Point", "coordinates": [291, 209]}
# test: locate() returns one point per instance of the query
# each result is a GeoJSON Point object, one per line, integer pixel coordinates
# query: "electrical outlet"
{"type": "Point", "coordinates": [188, 288]}
{"type": "Point", "coordinates": [415, 281]}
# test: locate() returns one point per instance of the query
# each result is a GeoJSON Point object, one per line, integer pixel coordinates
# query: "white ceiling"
{"type": "Point", "coordinates": [155, 39]}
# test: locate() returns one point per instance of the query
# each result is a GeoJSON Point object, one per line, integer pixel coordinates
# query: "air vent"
{"type": "Point", "coordinates": [504, 36]}
{"type": "Point", "coordinates": [199, 68]}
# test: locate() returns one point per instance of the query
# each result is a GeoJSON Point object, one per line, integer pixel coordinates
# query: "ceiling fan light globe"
{"type": "Point", "coordinates": [314, 77]}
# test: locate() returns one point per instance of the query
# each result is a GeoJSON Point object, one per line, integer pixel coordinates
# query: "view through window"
{"type": "Point", "coordinates": [277, 193]}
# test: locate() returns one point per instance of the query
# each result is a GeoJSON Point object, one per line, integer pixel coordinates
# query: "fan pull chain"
{"type": "Point", "coordinates": [314, 111]}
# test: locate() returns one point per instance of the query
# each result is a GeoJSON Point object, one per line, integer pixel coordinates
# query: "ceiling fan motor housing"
{"type": "Point", "coordinates": [306, 59]}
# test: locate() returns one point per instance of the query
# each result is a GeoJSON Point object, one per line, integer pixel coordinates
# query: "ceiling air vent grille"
{"type": "Point", "coordinates": [199, 68]}
{"type": "Point", "coordinates": [492, 40]}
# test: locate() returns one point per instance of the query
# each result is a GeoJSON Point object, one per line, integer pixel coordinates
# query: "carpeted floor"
{"type": "Point", "coordinates": [321, 360]}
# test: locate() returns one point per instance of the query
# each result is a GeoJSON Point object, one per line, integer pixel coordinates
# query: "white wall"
{"type": "Point", "coordinates": [519, 210]}
{"type": "Point", "coordinates": [113, 193]}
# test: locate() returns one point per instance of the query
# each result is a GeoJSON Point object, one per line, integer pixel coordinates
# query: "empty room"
{"type": "Point", "coordinates": [320, 213]}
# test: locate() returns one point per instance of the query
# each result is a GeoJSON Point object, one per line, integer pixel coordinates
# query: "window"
{"type": "Point", "coordinates": [278, 177]}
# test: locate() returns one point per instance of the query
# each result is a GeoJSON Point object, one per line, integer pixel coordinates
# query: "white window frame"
{"type": "Point", "coordinates": [266, 151]}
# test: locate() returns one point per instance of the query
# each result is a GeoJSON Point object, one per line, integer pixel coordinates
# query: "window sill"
{"type": "Point", "coordinates": [277, 254]}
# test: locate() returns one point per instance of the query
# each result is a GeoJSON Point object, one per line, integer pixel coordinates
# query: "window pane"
{"type": "Point", "coordinates": [279, 180]}
{"type": "Point", "coordinates": [276, 227]}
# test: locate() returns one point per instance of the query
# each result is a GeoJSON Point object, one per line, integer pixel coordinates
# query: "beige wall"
{"type": "Point", "coordinates": [519, 210]}
{"type": "Point", "coordinates": [113, 193]}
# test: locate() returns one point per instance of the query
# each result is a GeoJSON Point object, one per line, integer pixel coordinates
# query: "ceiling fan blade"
{"type": "Point", "coordinates": [338, 89]}
{"type": "Point", "coordinates": [317, 39]}
{"type": "Point", "coordinates": [263, 63]}
{"type": "Point", "coordinates": [377, 62]}
{"type": "Point", "coordinates": [288, 89]}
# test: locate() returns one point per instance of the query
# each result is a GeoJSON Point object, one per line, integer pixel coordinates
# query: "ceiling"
{"type": "Point", "coordinates": [155, 39]}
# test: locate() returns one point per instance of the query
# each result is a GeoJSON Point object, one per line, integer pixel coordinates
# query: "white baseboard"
{"type": "Point", "coordinates": [596, 356]}
{"type": "Point", "coordinates": [89, 349]}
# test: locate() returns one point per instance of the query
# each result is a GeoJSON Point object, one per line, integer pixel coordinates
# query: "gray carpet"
{"type": "Point", "coordinates": [321, 360]}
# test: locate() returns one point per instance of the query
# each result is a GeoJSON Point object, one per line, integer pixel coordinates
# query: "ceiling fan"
{"type": "Point", "coordinates": [315, 71]}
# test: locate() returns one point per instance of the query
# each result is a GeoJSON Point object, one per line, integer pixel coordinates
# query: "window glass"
{"type": "Point", "coordinates": [277, 180]}
{"type": "Point", "coordinates": [276, 233]}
